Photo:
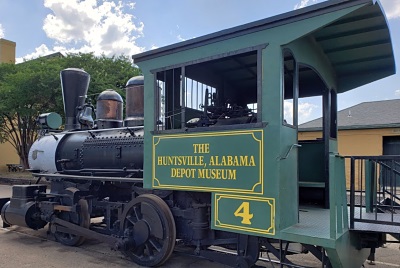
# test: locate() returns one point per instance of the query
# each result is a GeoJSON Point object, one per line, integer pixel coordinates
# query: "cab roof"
{"type": "Point", "coordinates": [358, 44]}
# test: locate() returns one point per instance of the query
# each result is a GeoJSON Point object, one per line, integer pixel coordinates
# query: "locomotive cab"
{"type": "Point", "coordinates": [230, 107]}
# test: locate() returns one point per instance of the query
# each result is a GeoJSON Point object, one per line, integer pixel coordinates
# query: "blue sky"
{"type": "Point", "coordinates": [41, 27]}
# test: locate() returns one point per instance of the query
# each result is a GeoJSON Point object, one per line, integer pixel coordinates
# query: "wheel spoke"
{"type": "Point", "coordinates": [131, 219]}
{"type": "Point", "coordinates": [155, 244]}
{"type": "Point", "coordinates": [138, 213]}
{"type": "Point", "coordinates": [139, 251]}
{"type": "Point", "coordinates": [149, 248]}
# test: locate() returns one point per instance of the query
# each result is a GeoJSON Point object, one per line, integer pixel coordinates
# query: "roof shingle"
{"type": "Point", "coordinates": [366, 115]}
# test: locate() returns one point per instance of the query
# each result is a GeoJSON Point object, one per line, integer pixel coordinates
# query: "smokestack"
{"type": "Point", "coordinates": [74, 84]}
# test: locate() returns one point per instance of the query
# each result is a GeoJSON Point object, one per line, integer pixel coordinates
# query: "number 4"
{"type": "Point", "coordinates": [244, 212]}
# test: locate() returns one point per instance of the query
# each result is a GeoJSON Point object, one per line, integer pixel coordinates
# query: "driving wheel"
{"type": "Point", "coordinates": [150, 226]}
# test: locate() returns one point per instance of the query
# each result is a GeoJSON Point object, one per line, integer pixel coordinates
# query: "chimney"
{"type": "Point", "coordinates": [75, 84]}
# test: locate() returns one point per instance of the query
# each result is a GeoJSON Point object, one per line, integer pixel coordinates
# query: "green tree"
{"type": "Point", "coordinates": [33, 87]}
{"type": "Point", "coordinates": [104, 71]}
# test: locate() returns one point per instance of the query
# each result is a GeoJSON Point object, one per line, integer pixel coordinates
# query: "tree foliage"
{"type": "Point", "coordinates": [33, 87]}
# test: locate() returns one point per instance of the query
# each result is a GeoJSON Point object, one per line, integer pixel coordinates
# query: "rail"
{"type": "Point", "coordinates": [375, 193]}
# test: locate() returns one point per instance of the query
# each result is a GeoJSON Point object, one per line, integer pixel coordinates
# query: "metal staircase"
{"type": "Point", "coordinates": [375, 194]}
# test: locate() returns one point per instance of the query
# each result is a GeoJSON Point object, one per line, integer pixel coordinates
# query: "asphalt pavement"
{"type": "Point", "coordinates": [23, 247]}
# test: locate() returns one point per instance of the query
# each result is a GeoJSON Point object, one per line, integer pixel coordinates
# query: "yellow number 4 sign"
{"type": "Point", "coordinates": [244, 212]}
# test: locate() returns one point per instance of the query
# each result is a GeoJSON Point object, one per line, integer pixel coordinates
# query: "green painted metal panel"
{"type": "Point", "coordinates": [311, 162]}
{"type": "Point", "coordinates": [288, 204]}
{"type": "Point", "coordinates": [309, 53]}
{"type": "Point", "coordinates": [209, 161]}
{"type": "Point", "coordinates": [244, 214]}
{"type": "Point", "coordinates": [370, 185]}
{"type": "Point", "coordinates": [346, 252]}
{"type": "Point", "coordinates": [149, 122]}
{"type": "Point", "coordinates": [337, 196]}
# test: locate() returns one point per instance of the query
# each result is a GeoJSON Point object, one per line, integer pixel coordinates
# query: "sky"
{"type": "Point", "coordinates": [111, 27]}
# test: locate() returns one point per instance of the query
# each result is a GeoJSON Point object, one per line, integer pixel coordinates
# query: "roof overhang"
{"type": "Point", "coordinates": [354, 127]}
{"type": "Point", "coordinates": [358, 44]}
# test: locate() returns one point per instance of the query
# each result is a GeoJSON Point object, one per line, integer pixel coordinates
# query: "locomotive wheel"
{"type": "Point", "coordinates": [82, 218]}
{"type": "Point", "coordinates": [151, 226]}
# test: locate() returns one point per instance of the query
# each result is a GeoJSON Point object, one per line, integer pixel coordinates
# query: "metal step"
{"type": "Point", "coordinates": [376, 222]}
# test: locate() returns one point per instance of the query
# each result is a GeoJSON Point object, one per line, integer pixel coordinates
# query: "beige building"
{"type": "Point", "coordinates": [8, 154]}
{"type": "Point", "coordinates": [361, 142]}
{"type": "Point", "coordinates": [7, 51]}
{"type": "Point", "coordinates": [366, 129]}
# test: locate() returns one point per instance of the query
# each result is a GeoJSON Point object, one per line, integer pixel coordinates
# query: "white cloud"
{"type": "Point", "coordinates": [1, 31]}
{"type": "Point", "coordinates": [43, 50]}
{"type": "Point", "coordinates": [288, 111]}
{"type": "Point", "coordinates": [305, 3]}
{"type": "Point", "coordinates": [397, 93]}
{"type": "Point", "coordinates": [180, 38]}
{"type": "Point", "coordinates": [306, 110]}
{"type": "Point", "coordinates": [392, 8]}
{"type": "Point", "coordinates": [131, 5]}
{"type": "Point", "coordinates": [102, 27]}
{"type": "Point", "coordinates": [39, 51]}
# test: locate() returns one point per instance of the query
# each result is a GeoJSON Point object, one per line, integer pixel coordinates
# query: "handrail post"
{"type": "Point", "coordinates": [352, 191]}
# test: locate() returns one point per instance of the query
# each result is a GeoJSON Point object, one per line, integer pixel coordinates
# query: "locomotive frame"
{"type": "Point", "coordinates": [192, 162]}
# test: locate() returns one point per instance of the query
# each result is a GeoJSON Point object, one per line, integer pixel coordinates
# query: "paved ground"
{"type": "Point", "coordinates": [22, 247]}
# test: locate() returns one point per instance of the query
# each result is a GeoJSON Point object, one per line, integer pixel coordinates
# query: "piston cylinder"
{"type": "Point", "coordinates": [22, 210]}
